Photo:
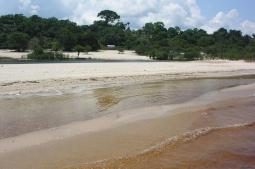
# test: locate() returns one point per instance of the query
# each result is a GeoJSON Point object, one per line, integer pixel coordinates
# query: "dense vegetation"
{"type": "Point", "coordinates": [154, 39]}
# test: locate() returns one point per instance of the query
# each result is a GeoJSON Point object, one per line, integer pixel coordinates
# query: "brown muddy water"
{"type": "Point", "coordinates": [22, 115]}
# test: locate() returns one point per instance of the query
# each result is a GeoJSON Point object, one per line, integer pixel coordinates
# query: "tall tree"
{"type": "Point", "coordinates": [108, 16]}
{"type": "Point", "coordinates": [67, 39]}
{"type": "Point", "coordinates": [18, 41]}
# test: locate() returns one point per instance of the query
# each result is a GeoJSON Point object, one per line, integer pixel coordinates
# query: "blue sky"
{"type": "Point", "coordinates": [211, 7]}
{"type": "Point", "coordinates": [207, 14]}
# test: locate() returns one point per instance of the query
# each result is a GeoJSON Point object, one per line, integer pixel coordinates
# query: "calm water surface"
{"type": "Point", "coordinates": [22, 115]}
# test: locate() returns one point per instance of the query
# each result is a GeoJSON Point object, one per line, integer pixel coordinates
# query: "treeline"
{"type": "Point", "coordinates": [154, 39]}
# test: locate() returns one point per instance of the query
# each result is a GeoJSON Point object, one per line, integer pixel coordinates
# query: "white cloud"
{"type": "Point", "coordinates": [248, 27]}
{"type": "Point", "coordinates": [25, 3]}
{"type": "Point", "coordinates": [185, 13]}
{"type": "Point", "coordinates": [28, 5]}
{"type": "Point", "coordinates": [229, 20]}
{"type": "Point", "coordinates": [34, 9]}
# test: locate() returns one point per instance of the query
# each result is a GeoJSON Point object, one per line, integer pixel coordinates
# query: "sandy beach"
{"type": "Point", "coordinates": [62, 77]}
{"type": "Point", "coordinates": [90, 84]}
{"type": "Point", "coordinates": [37, 72]}
{"type": "Point", "coordinates": [120, 114]}
{"type": "Point", "coordinates": [110, 55]}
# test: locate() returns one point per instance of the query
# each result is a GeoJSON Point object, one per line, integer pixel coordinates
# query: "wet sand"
{"type": "Point", "coordinates": [220, 136]}
{"type": "Point", "coordinates": [129, 133]}
{"type": "Point", "coordinates": [224, 148]}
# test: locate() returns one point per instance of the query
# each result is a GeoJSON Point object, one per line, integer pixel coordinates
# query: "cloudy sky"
{"type": "Point", "coordinates": [207, 14]}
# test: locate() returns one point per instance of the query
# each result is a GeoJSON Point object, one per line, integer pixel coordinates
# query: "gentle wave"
{"type": "Point", "coordinates": [176, 140]}
{"type": "Point", "coordinates": [191, 135]}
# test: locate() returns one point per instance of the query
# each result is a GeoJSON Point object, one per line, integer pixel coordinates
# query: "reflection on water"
{"type": "Point", "coordinates": [22, 115]}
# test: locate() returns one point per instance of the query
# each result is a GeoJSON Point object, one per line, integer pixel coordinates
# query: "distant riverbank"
{"type": "Point", "coordinates": [54, 78]}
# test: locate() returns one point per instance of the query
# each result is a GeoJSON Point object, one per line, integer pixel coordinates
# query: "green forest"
{"type": "Point", "coordinates": [154, 40]}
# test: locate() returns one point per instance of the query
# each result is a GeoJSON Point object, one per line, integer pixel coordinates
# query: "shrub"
{"type": "Point", "coordinates": [79, 49]}
{"type": "Point", "coordinates": [161, 54]}
{"type": "Point", "coordinates": [47, 56]}
{"type": "Point", "coordinates": [191, 54]}
{"type": "Point", "coordinates": [87, 48]}
{"type": "Point", "coordinates": [35, 46]}
{"type": "Point", "coordinates": [18, 41]}
{"type": "Point", "coordinates": [120, 49]}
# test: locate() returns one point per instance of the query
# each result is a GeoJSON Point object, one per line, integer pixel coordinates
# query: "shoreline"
{"type": "Point", "coordinates": [119, 134]}
{"type": "Point", "coordinates": [185, 114]}
{"type": "Point", "coordinates": [56, 79]}
{"type": "Point", "coordinates": [62, 86]}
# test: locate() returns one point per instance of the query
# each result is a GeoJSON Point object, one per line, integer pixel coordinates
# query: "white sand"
{"type": "Point", "coordinates": [102, 55]}
{"type": "Point", "coordinates": [12, 54]}
{"type": "Point", "coordinates": [109, 55]}
{"type": "Point", "coordinates": [28, 72]}
{"type": "Point", "coordinates": [60, 77]}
